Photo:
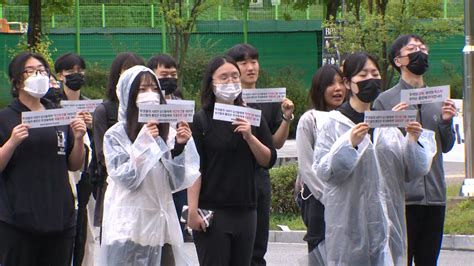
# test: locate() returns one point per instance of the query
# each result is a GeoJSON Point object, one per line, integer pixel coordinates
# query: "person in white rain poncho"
{"type": "Point", "coordinates": [145, 163]}
{"type": "Point", "coordinates": [361, 167]}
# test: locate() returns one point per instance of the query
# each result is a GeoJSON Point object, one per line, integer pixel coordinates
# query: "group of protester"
{"type": "Point", "coordinates": [130, 178]}
{"type": "Point", "coordinates": [373, 196]}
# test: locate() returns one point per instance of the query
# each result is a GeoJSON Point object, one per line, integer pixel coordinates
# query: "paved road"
{"type": "Point", "coordinates": [294, 254]}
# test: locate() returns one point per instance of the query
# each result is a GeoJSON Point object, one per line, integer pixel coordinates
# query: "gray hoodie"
{"type": "Point", "coordinates": [431, 189]}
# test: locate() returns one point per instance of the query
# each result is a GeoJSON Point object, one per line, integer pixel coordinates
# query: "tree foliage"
{"type": "Point", "coordinates": [35, 12]}
{"type": "Point", "coordinates": [180, 22]}
{"type": "Point", "coordinates": [378, 25]}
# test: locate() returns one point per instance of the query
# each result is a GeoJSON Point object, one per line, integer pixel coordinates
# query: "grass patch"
{"type": "Point", "coordinates": [459, 215]}
{"type": "Point", "coordinates": [453, 190]}
{"type": "Point", "coordinates": [293, 221]}
{"type": "Point", "coordinates": [459, 218]}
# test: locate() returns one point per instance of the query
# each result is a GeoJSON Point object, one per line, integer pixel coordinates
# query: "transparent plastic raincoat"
{"type": "Point", "coordinates": [364, 197]}
{"type": "Point", "coordinates": [139, 213]}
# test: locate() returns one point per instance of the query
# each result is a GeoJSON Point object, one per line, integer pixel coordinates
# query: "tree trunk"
{"type": "Point", "coordinates": [34, 23]}
{"type": "Point", "coordinates": [357, 9]}
{"type": "Point", "coordinates": [370, 4]}
{"type": "Point", "coordinates": [381, 7]}
{"type": "Point", "coordinates": [332, 7]}
{"type": "Point", "coordinates": [184, 50]}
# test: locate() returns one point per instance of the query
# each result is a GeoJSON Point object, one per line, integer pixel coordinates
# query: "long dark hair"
{"type": "Point", "coordinates": [16, 69]}
{"type": "Point", "coordinates": [122, 61]}
{"type": "Point", "coordinates": [132, 127]}
{"type": "Point", "coordinates": [322, 79]}
{"type": "Point", "coordinates": [207, 90]}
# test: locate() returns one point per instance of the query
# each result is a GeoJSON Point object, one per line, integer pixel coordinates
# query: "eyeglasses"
{"type": "Point", "coordinates": [411, 48]}
{"type": "Point", "coordinates": [30, 71]}
{"type": "Point", "coordinates": [234, 77]}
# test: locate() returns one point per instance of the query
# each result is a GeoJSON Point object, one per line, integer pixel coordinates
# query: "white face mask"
{"type": "Point", "coordinates": [148, 98]}
{"type": "Point", "coordinates": [228, 91]}
{"type": "Point", "coordinates": [37, 85]}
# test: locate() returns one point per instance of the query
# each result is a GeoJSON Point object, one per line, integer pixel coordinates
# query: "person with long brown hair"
{"type": "Point", "coordinates": [327, 93]}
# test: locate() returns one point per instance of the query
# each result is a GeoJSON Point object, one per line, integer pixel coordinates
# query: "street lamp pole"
{"type": "Point", "coordinates": [468, 87]}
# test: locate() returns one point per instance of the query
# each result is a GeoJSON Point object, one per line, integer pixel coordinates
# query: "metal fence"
{"type": "Point", "coordinates": [148, 15]}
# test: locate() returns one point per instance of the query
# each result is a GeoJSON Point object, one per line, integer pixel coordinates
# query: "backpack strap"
{"type": "Point", "coordinates": [204, 120]}
{"type": "Point", "coordinates": [111, 112]}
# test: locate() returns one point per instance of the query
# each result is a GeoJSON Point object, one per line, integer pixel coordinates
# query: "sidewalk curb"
{"type": "Point", "coordinates": [450, 242]}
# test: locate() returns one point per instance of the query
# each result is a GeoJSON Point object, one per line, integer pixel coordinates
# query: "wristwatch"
{"type": "Point", "coordinates": [288, 119]}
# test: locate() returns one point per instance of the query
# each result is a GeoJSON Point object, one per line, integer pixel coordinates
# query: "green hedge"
{"type": "Point", "coordinates": [283, 183]}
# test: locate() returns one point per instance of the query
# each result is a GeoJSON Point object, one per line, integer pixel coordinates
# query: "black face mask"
{"type": "Point", "coordinates": [75, 81]}
{"type": "Point", "coordinates": [54, 95]}
{"type": "Point", "coordinates": [418, 63]}
{"type": "Point", "coordinates": [369, 89]}
{"type": "Point", "coordinates": [169, 85]}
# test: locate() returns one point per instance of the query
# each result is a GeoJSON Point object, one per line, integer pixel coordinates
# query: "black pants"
{"type": "Point", "coordinates": [425, 233]}
{"type": "Point", "coordinates": [229, 240]}
{"type": "Point", "coordinates": [312, 212]}
{"type": "Point", "coordinates": [264, 194]}
{"type": "Point", "coordinates": [18, 248]}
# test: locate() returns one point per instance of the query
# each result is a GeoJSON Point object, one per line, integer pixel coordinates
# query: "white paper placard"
{"type": "Point", "coordinates": [82, 105]}
{"type": "Point", "coordinates": [180, 102]}
{"type": "Point", "coordinates": [425, 95]}
{"type": "Point", "coordinates": [389, 118]}
{"type": "Point", "coordinates": [227, 112]}
{"type": "Point", "coordinates": [165, 113]}
{"type": "Point", "coordinates": [272, 95]}
{"type": "Point", "coordinates": [49, 118]}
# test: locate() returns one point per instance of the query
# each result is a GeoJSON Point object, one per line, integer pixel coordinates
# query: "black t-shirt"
{"type": "Point", "coordinates": [271, 112]}
{"type": "Point", "coordinates": [35, 194]}
{"type": "Point", "coordinates": [227, 163]}
{"type": "Point", "coordinates": [356, 117]}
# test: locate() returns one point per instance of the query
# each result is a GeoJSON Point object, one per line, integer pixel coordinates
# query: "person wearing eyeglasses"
{"type": "Point", "coordinates": [425, 197]}
{"type": "Point", "coordinates": [278, 117]}
{"type": "Point", "coordinates": [37, 218]}
{"type": "Point", "coordinates": [229, 153]}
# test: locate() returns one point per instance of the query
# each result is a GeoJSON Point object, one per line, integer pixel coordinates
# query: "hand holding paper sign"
{"type": "Point", "coordinates": [358, 133]}
{"type": "Point", "coordinates": [78, 128]}
{"type": "Point", "coordinates": [152, 129]}
{"type": "Point", "coordinates": [287, 107]}
{"type": "Point", "coordinates": [183, 133]}
{"type": "Point", "coordinates": [19, 134]}
{"type": "Point", "coordinates": [87, 117]}
{"type": "Point", "coordinates": [243, 127]}
{"type": "Point", "coordinates": [448, 111]}
{"type": "Point", "coordinates": [414, 130]}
